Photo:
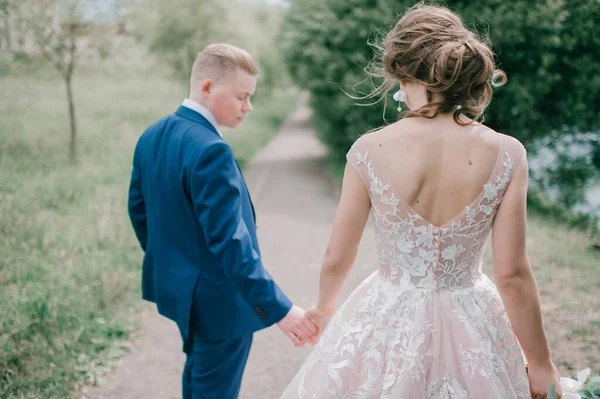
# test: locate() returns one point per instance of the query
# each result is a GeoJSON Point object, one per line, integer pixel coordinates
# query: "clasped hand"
{"type": "Point", "coordinates": [303, 327]}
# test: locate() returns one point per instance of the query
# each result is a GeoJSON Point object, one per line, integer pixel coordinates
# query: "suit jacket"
{"type": "Point", "coordinates": [193, 216]}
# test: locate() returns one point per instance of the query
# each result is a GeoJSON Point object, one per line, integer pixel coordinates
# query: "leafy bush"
{"type": "Point", "coordinates": [545, 47]}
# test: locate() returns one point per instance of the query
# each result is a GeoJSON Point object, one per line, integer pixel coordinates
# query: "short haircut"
{"type": "Point", "coordinates": [219, 59]}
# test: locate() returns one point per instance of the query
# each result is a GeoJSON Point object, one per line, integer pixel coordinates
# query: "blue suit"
{"type": "Point", "coordinates": [194, 219]}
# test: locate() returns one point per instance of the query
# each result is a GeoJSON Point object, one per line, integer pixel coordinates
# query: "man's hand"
{"type": "Point", "coordinates": [298, 328]}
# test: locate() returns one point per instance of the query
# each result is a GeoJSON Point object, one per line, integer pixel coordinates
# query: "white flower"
{"type": "Point", "coordinates": [378, 187]}
{"type": "Point", "coordinates": [425, 235]}
{"type": "Point", "coordinates": [508, 164]}
{"type": "Point", "coordinates": [491, 191]}
{"type": "Point", "coordinates": [571, 387]}
{"type": "Point", "coordinates": [404, 245]}
{"type": "Point", "coordinates": [452, 252]}
{"type": "Point", "coordinates": [428, 256]}
{"type": "Point", "coordinates": [415, 266]}
{"type": "Point", "coordinates": [400, 95]}
{"type": "Point", "coordinates": [391, 201]}
{"type": "Point", "coordinates": [361, 158]}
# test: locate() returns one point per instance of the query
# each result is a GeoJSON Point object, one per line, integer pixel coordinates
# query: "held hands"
{"type": "Point", "coordinates": [298, 328]}
{"type": "Point", "coordinates": [320, 318]}
{"type": "Point", "coordinates": [303, 327]}
{"type": "Point", "coordinates": [540, 379]}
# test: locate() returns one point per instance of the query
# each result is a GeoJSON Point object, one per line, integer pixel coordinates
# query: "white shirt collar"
{"type": "Point", "coordinates": [202, 110]}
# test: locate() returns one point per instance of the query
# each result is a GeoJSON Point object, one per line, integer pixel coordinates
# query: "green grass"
{"type": "Point", "coordinates": [552, 243]}
{"type": "Point", "coordinates": [69, 261]}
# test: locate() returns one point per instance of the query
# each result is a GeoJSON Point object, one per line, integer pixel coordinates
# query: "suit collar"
{"type": "Point", "coordinates": [191, 115]}
{"type": "Point", "coordinates": [202, 110]}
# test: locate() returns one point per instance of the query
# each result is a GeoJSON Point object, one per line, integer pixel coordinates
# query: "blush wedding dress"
{"type": "Point", "coordinates": [428, 323]}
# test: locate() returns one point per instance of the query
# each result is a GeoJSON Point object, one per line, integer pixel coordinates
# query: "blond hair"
{"type": "Point", "coordinates": [219, 59]}
{"type": "Point", "coordinates": [430, 45]}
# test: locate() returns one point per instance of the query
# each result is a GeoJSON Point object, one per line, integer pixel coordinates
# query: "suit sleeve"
{"type": "Point", "coordinates": [216, 190]}
{"type": "Point", "coordinates": [136, 205]}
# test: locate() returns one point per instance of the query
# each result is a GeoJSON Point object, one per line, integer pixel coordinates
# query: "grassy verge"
{"type": "Point", "coordinates": [567, 269]}
{"type": "Point", "coordinates": [69, 262]}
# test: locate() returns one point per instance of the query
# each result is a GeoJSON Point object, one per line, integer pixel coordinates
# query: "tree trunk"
{"type": "Point", "coordinates": [73, 146]}
{"type": "Point", "coordinates": [2, 34]}
{"type": "Point", "coordinates": [8, 37]}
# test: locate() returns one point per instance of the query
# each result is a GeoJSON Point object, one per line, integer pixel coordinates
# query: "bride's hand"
{"type": "Point", "coordinates": [297, 327]}
{"type": "Point", "coordinates": [319, 318]}
{"type": "Point", "coordinates": [540, 379]}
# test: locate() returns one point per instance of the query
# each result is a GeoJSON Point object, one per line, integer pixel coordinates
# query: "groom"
{"type": "Point", "coordinates": [193, 216]}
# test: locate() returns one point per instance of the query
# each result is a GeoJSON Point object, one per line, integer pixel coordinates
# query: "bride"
{"type": "Point", "coordinates": [428, 323]}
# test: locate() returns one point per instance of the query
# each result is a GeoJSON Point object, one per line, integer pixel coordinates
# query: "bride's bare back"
{"type": "Point", "coordinates": [437, 166]}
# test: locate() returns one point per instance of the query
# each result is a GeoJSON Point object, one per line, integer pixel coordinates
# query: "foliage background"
{"type": "Point", "coordinates": [549, 49]}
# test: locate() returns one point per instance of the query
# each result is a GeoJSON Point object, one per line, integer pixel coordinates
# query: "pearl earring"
{"type": "Point", "coordinates": [400, 96]}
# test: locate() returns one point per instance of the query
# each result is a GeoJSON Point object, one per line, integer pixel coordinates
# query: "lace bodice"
{"type": "Point", "coordinates": [414, 253]}
{"type": "Point", "coordinates": [428, 323]}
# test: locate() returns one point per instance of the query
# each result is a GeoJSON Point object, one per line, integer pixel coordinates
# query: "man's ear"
{"type": "Point", "coordinates": [206, 86]}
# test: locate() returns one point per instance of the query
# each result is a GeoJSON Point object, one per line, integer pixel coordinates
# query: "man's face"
{"type": "Point", "coordinates": [229, 99]}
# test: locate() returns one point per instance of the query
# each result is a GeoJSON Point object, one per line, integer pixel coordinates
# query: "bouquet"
{"type": "Point", "coordinates": [585, 387]}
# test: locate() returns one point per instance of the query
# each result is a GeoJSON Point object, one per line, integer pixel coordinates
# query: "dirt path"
{"type": "Point", "coordinates": [295, 203]}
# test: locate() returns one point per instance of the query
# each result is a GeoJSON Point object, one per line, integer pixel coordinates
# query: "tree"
{"type": "Point", "coordinates": [551, 57]}
{"type": "Point", "coordinates": [546, 47]}
{"type": "Point", "coordinates": [177, 34]}
{"type": "Point", "coordinates": [55, 27]}
{"type": "Point", "coordinates": [5, 34]}
{"type": "Point", "coordinates": [326, 46]}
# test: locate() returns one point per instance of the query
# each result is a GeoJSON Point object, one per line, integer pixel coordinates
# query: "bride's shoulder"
{"type": "Point", "coordinates": [512, 145]}
{"type": "Point", "coordinates": [363, 142]}
{"type": "Point", "coordinates": [381, 134]}
{"type": "Point", "coordinates": [508, 140]}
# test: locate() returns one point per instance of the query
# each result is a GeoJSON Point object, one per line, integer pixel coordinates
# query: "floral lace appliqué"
{"type": "Point", "coordinates": [428, 323]}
